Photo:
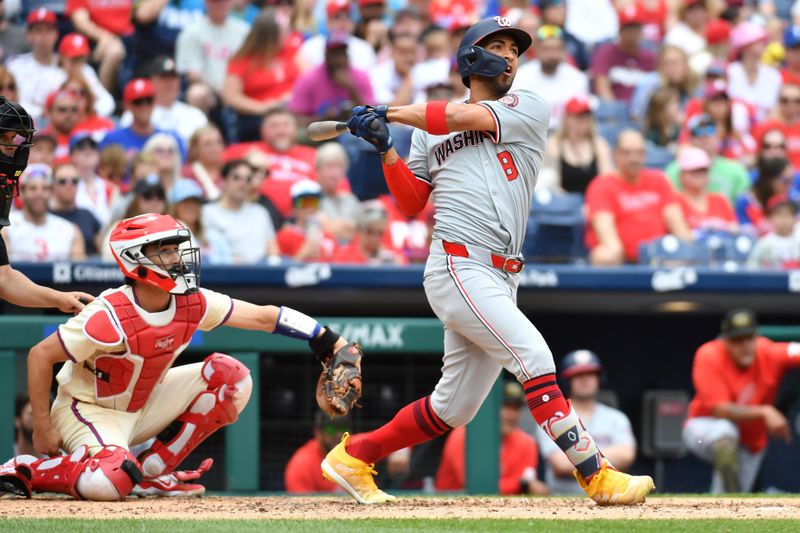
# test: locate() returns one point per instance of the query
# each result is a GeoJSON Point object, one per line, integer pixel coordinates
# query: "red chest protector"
{"type": "Point", "coordinates": [151, 350]}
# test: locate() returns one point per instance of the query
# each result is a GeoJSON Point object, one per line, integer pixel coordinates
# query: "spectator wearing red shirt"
{"type": "Point", "coordinates": [261, 74]}
{"type": "Point", "coordinates": [61, 111]}
{"type": "Point", "coordinates": [410, 236]}
{"type": "Point", "coordinates": [786, 117]}
{"type": "Point", "coordinates": [288, 161]}
{"type": "Point", "coordinates": [367, 246]}
{"type": "Point", "coordinates": [703, 210]}
{"type": "Point", "coordinates": [302, 471]}
{"type": "Point", "coordinates": [303, 239]}
{"type": "Point", "coordinates": [88, 119]}
{"type": "Point", "coordinates": [106, 24]}
{"type": "Point", "coordinates": [630, 207]}
{"type": "Point", "coordinates": [732, 415]}
{"type": "Point", "coordinates": [329, 91]}
{"type": "Point", "coordinates": [519, 454]}
{"type": "Point", "coordinates": [619, 66]}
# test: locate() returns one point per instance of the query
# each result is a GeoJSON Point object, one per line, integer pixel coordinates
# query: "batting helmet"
{"type": "Point", "coordinates": [580, 362]}
{"type": "Point", "coordinates": [130, 236]}
{"type": "Point", "coordinates": [13, 152]}
{"type": "Point", "coordinates": [472, 59]}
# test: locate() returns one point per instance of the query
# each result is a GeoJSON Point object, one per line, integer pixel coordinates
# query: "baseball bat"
{"type": "Point", "coordinates": [326, 129]}
{"type": "Point", "coordinates": [330, 129]}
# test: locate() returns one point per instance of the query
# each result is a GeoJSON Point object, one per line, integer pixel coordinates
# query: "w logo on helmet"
{"type": "Point", "coordinates": [503, 22]}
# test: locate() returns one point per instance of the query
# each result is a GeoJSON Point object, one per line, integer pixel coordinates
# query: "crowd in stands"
{"type": "Point", "coordinates": [669, 118]}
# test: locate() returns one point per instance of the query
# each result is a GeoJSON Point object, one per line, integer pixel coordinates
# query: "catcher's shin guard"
{"type": "Point", "coordinates": [108, 475]}
{"type": "Point", "coordinates": [229, 387]}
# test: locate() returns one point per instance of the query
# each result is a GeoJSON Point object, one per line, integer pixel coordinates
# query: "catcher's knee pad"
{"type": "Point", "coordinates": [229, 388]}
{"type": "Point", "coordinates": [108, 475]}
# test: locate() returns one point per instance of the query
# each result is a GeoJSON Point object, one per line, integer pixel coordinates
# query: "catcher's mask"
{"type": "Point", "coordinates": [175, 270]}
{"type": "Point", "coordinates": [16, 138]}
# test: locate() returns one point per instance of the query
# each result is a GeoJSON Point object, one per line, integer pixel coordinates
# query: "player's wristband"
{"type": "Point", "coordinates": [322, 346]}
{"type": "Point", "coordinates": [436, 118]}
{"type": "Point", "coordinates": [295, 324]}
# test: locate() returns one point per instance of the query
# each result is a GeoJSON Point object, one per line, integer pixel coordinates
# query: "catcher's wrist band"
{"type": "Point", "coordinates": [436, 118]}
{"type": "Point", "coordinates": [322, 346]}
{"type": "Point", "coordinates": [295, 324]}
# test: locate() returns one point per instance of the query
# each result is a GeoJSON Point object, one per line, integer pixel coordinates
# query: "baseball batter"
{"type": "Point", "coordinates": [479, 160]}
{"type": "Point", "coordinates": [117, 387]}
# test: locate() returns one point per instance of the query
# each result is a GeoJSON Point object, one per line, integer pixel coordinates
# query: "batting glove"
{"type": "Point", "coordinates": [375, 131]}
{"type": "Point", "coordinates": [380, 110]}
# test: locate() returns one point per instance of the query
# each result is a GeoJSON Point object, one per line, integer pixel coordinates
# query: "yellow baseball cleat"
{"type": "Point", "coordinates": [353, 475]}
{"type": "Point", "coordinates": [609, 486]}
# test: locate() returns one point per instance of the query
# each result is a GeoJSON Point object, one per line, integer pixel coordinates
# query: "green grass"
{"type": "Point", "coordinates": [77, 525]}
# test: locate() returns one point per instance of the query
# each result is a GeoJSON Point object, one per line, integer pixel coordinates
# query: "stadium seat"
{"type": "Point", "coordinates": [555, 228]}
{"type": "Point", "coordinates": [670, 251]}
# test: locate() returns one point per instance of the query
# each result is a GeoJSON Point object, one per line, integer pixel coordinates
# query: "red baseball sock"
{"type": "Point", "coordinates": [414, 423]}
{"type": "Point", "coordinates": [545, 398]}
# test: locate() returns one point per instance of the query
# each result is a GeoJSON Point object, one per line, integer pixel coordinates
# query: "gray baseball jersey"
{"type": "Point", "coordinates": [482, 189]}
{"type": "Point", "coordinates": [483, 183]}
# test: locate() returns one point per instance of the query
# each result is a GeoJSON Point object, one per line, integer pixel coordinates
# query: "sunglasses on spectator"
{"type": "Point", "coordinates": [307, 201]}
{"type": "Point", "coordinates": [549, 31]}
{"type": "Point", "coordinates": [164, 150]}
{"type": "Point", "coordinates": [375, 232]}
{"type": "Point", "coordinates": [142, 101]}
{"type": "Point", "coordinates": [776, 146]}
{"type": "Point", "coordinates": [153, 194]}
{"type": "Point", "coordinates": [10, 86]}
{"type": "Point", "coordinates": [704, 131]}
{"type": "Point", "coordinates": [65, 109]}
{"type": "Point", "coordinates": [70, 180]}
{"type": "Point", "coordinates": [786, 100]}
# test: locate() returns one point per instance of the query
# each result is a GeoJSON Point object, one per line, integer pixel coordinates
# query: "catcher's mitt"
{"type": "Point", "coordinates": [339, 385]}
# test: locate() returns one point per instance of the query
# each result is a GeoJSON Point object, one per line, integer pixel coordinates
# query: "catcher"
{"type": "Point", "coordinates": [117, 387]}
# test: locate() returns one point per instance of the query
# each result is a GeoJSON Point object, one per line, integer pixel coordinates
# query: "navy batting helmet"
{"type": "Point", "coordinates": [580, 362]}
{"type": "Point", "coordinates": [473, 59]}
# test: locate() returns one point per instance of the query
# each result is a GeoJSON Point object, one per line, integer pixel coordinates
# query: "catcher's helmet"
{"type": "Point", "coordinates": [13, 152]}
{"type": "Point", "coordinates": [131, 235]}
{"type": "Point", "coordinates": [472, 59]}
{"type": "Point", "coordinates": [580, 362]}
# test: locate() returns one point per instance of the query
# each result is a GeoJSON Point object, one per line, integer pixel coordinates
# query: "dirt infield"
{"type": "Point", "coordinates": [275, 507]}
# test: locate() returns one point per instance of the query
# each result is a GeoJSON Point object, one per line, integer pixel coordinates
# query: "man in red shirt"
{"type": "Point", "coordinates": [302, 470]}
{"type": "Point", "coordinates": [519, 455]}
{"type": "Point", "coordinates": [61, 110]}
{"type": "Point", "coordinates": [732, 414]}
{"type": "Point", "coordinates": [367, 246]}
{"type": "Point", "coordinates": [289, 162]}
{"type": "Point", "coordinates": [633, 206]}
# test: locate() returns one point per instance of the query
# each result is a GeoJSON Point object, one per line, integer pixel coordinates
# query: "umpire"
{"type": "Point", "coordinates": [16, 136]}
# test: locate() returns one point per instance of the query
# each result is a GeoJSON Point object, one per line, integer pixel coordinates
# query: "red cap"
{"type": "Point", "coordinates": [362, 3]}
{"type": "Point", "coordinates": [577, 105]}
{"type": "Point", "coordinates": [780, 200]}
{"type": "Point", "coordinates": [138, 88]}
{"type": "Point", "coordinates": [718, 31]}
{"type": "Point", "coordinates": [41, 15]}
{"type": "Point", "coordinates": [716, 88]}
{"type": "Point", "coordinates": [629, 16]}
{"type": "Point", "coordinates": [337, 6]}
{"type": "Point", "coordinates": [73, 45]}
{"type": "Point", "coordinates": [55, 95]}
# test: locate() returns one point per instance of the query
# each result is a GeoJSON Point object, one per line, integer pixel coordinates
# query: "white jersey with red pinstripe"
{"type": "Point", "coordinates": [482, 187]}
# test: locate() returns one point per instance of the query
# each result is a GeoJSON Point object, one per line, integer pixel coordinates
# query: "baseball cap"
{"type": "Point", "coordinates": [702, 125]}
{"type": "Point", "coordinates": [549, 31]}
{"type": "Point", "coordinates": [138, 88]}
{"type": "Point", "coordinates": [162, 64]}
{"type": "Point", "coordinates": [55, 95]}
{"type": "Point", "coordinates": [37, 171]}
{"type": "Point", "coordinates": [336, 40]}
{"type": "Point", "coordinates": [544, 4]}
{"type": "Point", "coordinates": [305, 188]}
{"type": "Point", "coordinates": [185, 189]}
{"type": "Point", "coordinates": [371, 211]}
{"type": "Point", "coordinates": [745, 34]}
{"type": "Point", "coordinates": [780, 200]}
{"type": "Point", "coordinates": [578, 105]}
{"type": "Point", "coordinates": [718, 31]}
{"type": "Point", "coordinates": [791, 37]}
{"type": "Point", "coordinates": [580, 362]}
{"type": "Point", "coordinates": [739, 323]}
{"type": "Point", "coordinates": [513, 394]}
{"type": "Point", "coordinates": [717, 69]}
{"type": "Point", "coordinates": [81, 140]}
{"type": "Point", "coordinates": [693, 158]}
{"type": "Point", "coordinates": [362, 3]}
{"type": "Point", "coordinates": [335, 7]}
{"type": "Point", "coordinates": [630, 16]}
{"type": "Point", "coordinates": [73, 45]}
{"type": "Point", "coordinates": [716, 88]}
{"type": "Point", "coordinates": [149, 184]}
{"type": "Point", "coordinates": [41, 16]}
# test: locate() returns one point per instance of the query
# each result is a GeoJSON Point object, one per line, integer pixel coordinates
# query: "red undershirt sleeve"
{"type": "Point", "coordinates": [410, 191]}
